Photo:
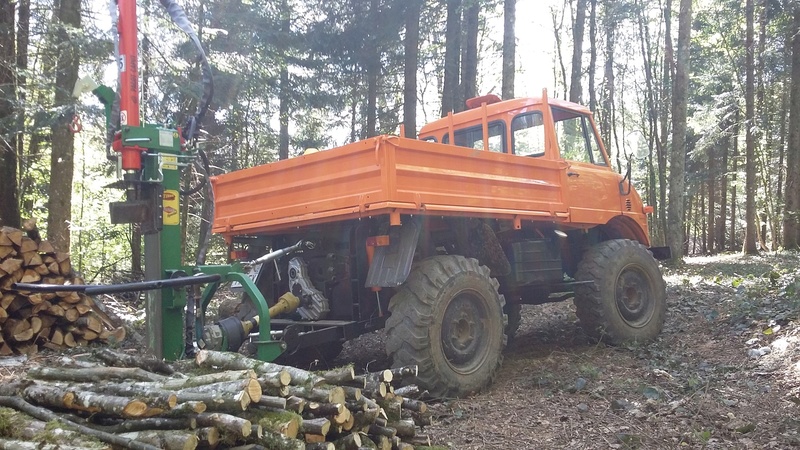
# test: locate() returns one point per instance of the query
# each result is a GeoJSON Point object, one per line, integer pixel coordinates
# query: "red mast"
{"type": "Point", "coordinates": [129, 79]}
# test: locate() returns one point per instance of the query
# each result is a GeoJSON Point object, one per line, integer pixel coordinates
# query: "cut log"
{"type": "Point", "coordinates": [325, 394]}
{"type": "Point", "coordinates": [348, 442]}
{"type": "Point", "coordinates": [107, 404]}
{"type": "Point", "coordinates": [32, 258]}
{"type": "Point", "coordinates": [42, 414]}
{"type": "Point", "coordinates": [277, 441]}
{"type": "Point", "coordinates": [285, 423]}
{"type": "Point", "coordinates": [208, 436]}
{"type": "Point", "coordinates": [154, 423]}
{"type": "Point", "coordinates": [46, 247]}
{"type": "Point", "coordinates": [320, 446]}
{"type": "Point", "coordinates": [230, 376]}
{"type": "Point", "coordinates": [226, 422]}
{"type": "Point", "coordinates": [120, 359]}
{"type": "Point", "coordinates": [269, 401]}
{"type": "Point", "coordinates": [11, 265]}
{"type": "Point", "coordinates": [30, 276]}
{"type": "Point", "coordinates": [11, 234]}
{"type": "Point", "coordinates": [89, 321]}
{"type": "Point", "coordinates": [235, 361]}
{"type": "Point", "coordinates": [320, 425]}
{"type": "Point", "coordinates": [5, 252]}
{"type": "Point", "coordinates": [92, 374]}
{"type": "Point", "coordinates": [30, 228]}
{"type": "Point", "coordinates": [168, 440]}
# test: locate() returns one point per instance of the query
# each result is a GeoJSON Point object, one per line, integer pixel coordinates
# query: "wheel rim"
{"type": "Point", "coordinates": [464, 332]}
{"type": "Point", "coordinates": [634, 296]}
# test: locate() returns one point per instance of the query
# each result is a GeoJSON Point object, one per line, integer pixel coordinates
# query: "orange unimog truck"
{"type": "Point", "coordinates": [441, 239]}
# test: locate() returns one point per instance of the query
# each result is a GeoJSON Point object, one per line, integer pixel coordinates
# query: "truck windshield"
{"type": "Point", "coordinates": [576, 138]}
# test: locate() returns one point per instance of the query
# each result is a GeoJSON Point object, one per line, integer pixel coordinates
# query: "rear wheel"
{"type": "Point", "coordinates": [448, 319]}
{"type": "Point", "coordinates": [626, 300]}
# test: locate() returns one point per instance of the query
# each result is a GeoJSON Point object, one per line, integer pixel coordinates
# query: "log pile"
{"type": "Point", "coordinates": [228, 401]}
{"type": "Point", "coordinates": [55, 320]}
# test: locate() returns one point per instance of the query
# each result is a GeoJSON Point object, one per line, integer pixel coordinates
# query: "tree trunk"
{"type": "Point", "coordinates": [592, 53]}
{"type": "Point", "coordinates": [751, 231]}
{"type": "Point", "coordinates": [791, 218]}
{"type": "Point", "coordinates": [469, 69]}
{"type": "Point", "coordinates": [712, 174]}
{"type": "Point", "coordinates": [9, 193]}
{"type": "Point", "coordinates": [373, 68]}
{"type": "Point", "coordinates": [411, 61]}
{"type": "Point", "coordinates": [666, 101]}
{"type": "Point", "coordinates": [59, 201]}
{"type": "Point", "coordinates": [509, 47]}
{"type": "Point", "coordinates": [677, 174]}
{"type": "Point", "coordinates": [577, 52]}
{"type": "Point", "coordinates": [734, 170]}
{"type": "Point", "coordinates": [452, 56]}
{"type": "Point", "coordinates": [285, 89]}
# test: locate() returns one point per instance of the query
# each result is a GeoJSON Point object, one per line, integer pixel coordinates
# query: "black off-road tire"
{"type": "Point", "coordinates": [448, 319]}
{"type": "Point", "coordinates": [626, 301]}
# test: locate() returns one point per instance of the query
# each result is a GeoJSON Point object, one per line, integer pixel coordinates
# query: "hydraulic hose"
{"type": "Point", "coordinates": [204, 179]}
{"type": "Point", "coordinates": [94, 289]}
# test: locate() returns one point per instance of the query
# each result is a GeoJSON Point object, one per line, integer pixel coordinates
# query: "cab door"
{"type": "Point", "coordinates": [593, 187]}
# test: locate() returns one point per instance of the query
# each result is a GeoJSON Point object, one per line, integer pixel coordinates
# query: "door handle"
{"type": "Point", "coordinates": [573, 174]}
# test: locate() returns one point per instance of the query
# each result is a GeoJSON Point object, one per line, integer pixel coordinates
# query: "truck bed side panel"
{"type": "Point", "coordinates": [383, 175]}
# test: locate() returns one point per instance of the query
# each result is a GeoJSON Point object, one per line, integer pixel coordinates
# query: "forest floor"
{"type": "Point", "coordinates": [725, 372]}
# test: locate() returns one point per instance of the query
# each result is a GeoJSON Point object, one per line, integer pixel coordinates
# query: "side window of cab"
{"type": "Point", "coordinates": [576, 138]}
{"type": "Point", "coordinates": [527, 134]}
{"type": "Point", "coordinates": [472, 137]}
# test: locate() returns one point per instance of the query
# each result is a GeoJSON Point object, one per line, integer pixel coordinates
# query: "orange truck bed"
{"type": "Point", "coordinates": [387, 175]}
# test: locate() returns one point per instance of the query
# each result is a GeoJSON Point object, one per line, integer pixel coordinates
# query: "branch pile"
{"type": "Point", "coordinates": [55, 320]}
{"type": "Point", "coordinates": [228, 401]}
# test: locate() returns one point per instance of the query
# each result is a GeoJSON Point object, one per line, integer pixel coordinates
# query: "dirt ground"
{"type": "Point", "coordinates": [725, 372]}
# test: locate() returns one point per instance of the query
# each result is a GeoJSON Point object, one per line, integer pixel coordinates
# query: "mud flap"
{"type": "Point", "coordinates": [392, 264]}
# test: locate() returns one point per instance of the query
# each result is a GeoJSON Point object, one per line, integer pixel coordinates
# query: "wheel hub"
{"type": "Point", "coordinates": [463, 332]}
{"type": "Point", "coordinates": [634, 300]}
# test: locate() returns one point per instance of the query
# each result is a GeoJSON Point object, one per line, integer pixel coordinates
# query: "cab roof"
{"type": "Point", "coordinates": [498, 108]}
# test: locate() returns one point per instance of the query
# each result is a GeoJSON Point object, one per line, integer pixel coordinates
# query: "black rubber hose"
{"type": "Point", "coordinates": [178, 15]}
{"type": "Point", "coordinates": [204, 180]}
{"type": "Point", "coordinates": [94, 289]}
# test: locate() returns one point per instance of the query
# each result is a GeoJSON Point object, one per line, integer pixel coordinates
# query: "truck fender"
{"type": "Point", "coordinates": [391, 264]}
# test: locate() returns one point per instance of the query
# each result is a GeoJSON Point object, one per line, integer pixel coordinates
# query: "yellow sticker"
{"type": "Point", "coordinates": [169, 162]}
{"type": "Point", "coordinates": [171, 207]}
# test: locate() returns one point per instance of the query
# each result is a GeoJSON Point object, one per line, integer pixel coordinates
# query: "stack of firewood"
{"type": "Point", "coordinates": [233, 401]}
{"type": "Point", "coordinates": [56, 320]}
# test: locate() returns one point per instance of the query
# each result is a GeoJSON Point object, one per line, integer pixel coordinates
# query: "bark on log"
{"type": "Point", "coordinates": [285, 423]}
{"type": "Point", "coordinates": [208, 436]}
{"type": "Point", "coordinates": [11, 444]}
{"type": "Point", "coordinates": [320, 446]}
{"type": "Point", "coordinates": [93, 374]}
{"type": "Point", "coordinates": [269, 401]}
{"type": "Point", "coordinates": [234, 361]}
{"type": "Point", "coordinates": [249, 386]}
{"type": "Point", "coordinates": [119, 359]}
{"type": "Point", "coordinates": [154, 423]}
{"type": "Point", "coordinates": [107, 404]}
{"type": "Point", "coordinates": [167, 440]}
{"type": "Point", "coordinates": [316, 426]}
{"type": "Point", "coordinates": [348, 442]}
{"type": "Point", "coordinates": [226, 422]}
{"type": "Point", "coordinates": [277, 441]}
{"type": "Point", "coordinates": [324, 394]}
{"type": "Point", "coordinates": [340, 375]}
{"type": "Point", "coordinates": [295, 404]}
{"type": "Point", "coordinates": [207, 379]}
{"type": "Point", "coordinates": [42, 414]}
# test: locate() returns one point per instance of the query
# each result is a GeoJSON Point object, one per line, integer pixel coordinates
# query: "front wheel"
{"type": "Point", "coordinates": [625, 299]}
{"type": "Point", "coordinates": [448, 319]}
